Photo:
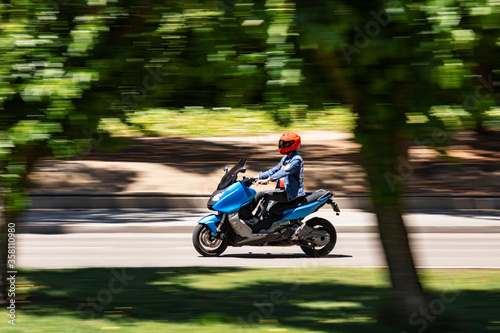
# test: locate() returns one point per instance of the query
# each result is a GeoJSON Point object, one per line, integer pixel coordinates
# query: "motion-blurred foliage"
{"type": "Point", "coordinates": [65, 64]}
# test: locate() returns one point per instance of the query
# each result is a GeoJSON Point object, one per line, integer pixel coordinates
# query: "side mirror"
{"type": "Point", "coordinates": [225, 169]}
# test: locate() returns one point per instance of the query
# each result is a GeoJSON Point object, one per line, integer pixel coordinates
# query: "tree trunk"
{"type": "Point", "coordinates": [384, 156]}
{"type": "Point", "coordinates": [407, 295]}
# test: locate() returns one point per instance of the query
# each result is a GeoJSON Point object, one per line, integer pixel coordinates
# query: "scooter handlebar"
{"type": "Point", "coordinates": [248, 181]}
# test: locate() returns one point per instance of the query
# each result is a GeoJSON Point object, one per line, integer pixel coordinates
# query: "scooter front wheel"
{"type": "Point", "coordinates": [206, 244]}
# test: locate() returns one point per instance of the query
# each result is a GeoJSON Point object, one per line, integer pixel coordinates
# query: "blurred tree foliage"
{"type": "Point", "coordinates": [408, 69]}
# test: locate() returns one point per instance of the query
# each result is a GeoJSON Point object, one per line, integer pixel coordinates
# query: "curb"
{"type": "Point", "coordinates": [170, 201]}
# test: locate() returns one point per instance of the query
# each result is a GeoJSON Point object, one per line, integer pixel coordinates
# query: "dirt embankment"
{"type": "Point", "coordinates": [194, 165]}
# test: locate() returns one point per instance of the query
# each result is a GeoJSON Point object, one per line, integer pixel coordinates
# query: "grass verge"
{"type": "Point", "coordinates": [227, 122]}
{"type": "Point", "coordinates": [200, 299]}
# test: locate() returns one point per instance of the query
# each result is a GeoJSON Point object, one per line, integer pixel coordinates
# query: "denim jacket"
{"type": "Point", "coordinates": [292, 172]}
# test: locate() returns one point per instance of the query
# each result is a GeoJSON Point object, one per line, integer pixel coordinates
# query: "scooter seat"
{"type": "Point", "coordinates": [278, 207]}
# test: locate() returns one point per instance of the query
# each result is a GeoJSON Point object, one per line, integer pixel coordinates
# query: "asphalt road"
{"type": "Point", "coordinates": [162, 238]}
{"type": "Point", "coordinates": [446, 250]}
{"type": "Point", "coordinates": [184, 220]}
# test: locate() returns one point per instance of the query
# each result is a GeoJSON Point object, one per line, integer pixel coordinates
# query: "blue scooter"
{"type": "Point", "coordinates": [281, 225]}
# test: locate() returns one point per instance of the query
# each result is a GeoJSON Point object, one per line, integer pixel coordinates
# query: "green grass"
{"type": "Point", "coordinates": [198, 121]}
{"type": "Point", "coordinates": [227, 122]}
{"type": "Point", "coordinates": [302, 299]}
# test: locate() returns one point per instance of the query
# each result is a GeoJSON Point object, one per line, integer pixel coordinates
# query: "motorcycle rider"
{"type": "Point", "coordinates": [288, 173]}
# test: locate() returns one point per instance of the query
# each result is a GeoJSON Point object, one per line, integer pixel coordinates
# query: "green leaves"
{"type": "Point", "coordinates": [66, 64]}
{"type": "Point", "coordinates": [41, 84]}
{"type": "Point", "coordinates": [31, 131]}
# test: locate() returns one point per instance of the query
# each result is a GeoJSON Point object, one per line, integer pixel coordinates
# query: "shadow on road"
{"type": "Point", "coordinates": [278, 255]}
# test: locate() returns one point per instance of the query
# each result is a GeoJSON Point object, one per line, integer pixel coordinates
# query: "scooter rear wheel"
{"type": "Point", "coordinates": [206, 244]}
{"type": "Point", "coordinates": [323, 225]}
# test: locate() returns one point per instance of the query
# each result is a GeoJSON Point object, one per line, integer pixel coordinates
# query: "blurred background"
{"type": "Point", "coordinates": [84, 78]}
{"type": "Point", "coordinates": [390, 97]}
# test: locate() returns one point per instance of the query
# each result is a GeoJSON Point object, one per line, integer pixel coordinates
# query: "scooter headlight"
{"type": "Point", "coordinates": [217, 197]}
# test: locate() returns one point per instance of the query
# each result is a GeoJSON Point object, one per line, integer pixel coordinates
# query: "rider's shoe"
{"type": "Point", "coordinates": [252, 220]}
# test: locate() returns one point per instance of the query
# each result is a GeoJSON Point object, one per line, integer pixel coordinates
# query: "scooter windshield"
{"type": "Point", "coordinates": [232, 174]}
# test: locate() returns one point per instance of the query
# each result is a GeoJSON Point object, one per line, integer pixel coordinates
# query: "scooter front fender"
{"type": "Point", "coordinates": [211, 222]}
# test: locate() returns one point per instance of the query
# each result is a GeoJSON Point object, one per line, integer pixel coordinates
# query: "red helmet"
{"type": "Point", "coordinates": [288, 142]}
